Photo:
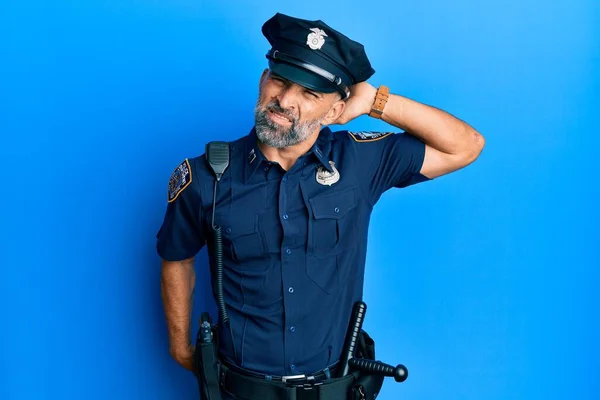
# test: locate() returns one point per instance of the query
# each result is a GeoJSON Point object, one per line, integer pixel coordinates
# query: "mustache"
{"type": "Point", "coordinates": [275, 106]}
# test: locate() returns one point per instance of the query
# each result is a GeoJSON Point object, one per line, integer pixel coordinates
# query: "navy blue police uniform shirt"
{"type": "Point", "coordinates": [294, 242]}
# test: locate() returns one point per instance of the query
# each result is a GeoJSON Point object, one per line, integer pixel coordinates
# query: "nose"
{"type": "Point", "coordinates": [287, 97]}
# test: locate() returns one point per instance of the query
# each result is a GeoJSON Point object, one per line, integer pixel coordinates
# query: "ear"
{"type": "Point", "coordinates": [334, 113]}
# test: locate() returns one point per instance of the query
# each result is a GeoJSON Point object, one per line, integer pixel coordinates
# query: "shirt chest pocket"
{"type": "Point", "coordinates": [242, 240]}
{"type": "Point", "coordinates": [332, 228]}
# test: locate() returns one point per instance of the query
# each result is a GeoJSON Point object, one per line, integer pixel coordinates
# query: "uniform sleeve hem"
{"type": "Point", "coordinates": [173, 257]}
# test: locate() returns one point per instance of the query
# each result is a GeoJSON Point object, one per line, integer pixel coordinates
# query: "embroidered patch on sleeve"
{"type": "Point", "coordinates": [362, 137]}
{"type": "Point", "coordinates": [180, 179]}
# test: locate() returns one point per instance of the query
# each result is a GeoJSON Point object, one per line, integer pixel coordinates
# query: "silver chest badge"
{"type": "Point", "coordinates": [325, 177]}
{"type": "Point", "coordinates": [315, 40]}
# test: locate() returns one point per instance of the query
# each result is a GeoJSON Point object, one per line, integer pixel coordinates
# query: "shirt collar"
{"type": "Point", "coordinates": [254, 157]}
{"type": "Point", "coordinates": [322, 148]}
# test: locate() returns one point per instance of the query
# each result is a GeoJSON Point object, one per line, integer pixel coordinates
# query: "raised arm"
{"type": "Point", "coordinates": [451, 144]}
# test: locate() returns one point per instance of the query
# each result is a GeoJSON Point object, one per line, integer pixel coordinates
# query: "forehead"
{"type": "Point", "coordinates": [290, 82]}
{"type": "Point", "coordinates": [320, 94]}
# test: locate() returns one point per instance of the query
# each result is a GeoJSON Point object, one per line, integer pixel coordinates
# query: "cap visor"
{"type": "Point", "coordinates": [302, 77]}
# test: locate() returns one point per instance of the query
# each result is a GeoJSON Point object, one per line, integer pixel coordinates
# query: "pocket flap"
{"type": "Point", "coordinates": [333, 205]}
{"type": "Point", "coordinates": [247, 247]}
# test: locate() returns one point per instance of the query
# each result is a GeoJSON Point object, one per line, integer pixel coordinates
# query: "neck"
{"type": "Point", "coordinates": [287, 156]}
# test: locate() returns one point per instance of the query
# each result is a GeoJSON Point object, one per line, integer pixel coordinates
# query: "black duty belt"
{"type": "Point", "coordinates": [321, 375]}
{"type": "Point", "coordinates": [250, 386]}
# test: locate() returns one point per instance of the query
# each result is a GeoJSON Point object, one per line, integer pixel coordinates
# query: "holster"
{"type": "Point", "coordinates": [207, 366]}
{"type": "Point", "coordinates": [366, 387]}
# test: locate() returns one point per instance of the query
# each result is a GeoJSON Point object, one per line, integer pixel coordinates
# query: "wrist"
{"type": "Point", "coordinates": [382, 95]}
{"type": "Point", "coordinates": [180, 350]}
{"type": "Point", "coordinates": [370, 96]}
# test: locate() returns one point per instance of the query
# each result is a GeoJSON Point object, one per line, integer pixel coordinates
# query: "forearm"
{"type": "Point", "coordinates": [177, 288]}
{"type": "Point", "coordinates": [433, 126]}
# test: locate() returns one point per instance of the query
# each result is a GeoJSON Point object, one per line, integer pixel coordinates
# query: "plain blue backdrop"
{"type": "Point", "coordinates": [484, 283]}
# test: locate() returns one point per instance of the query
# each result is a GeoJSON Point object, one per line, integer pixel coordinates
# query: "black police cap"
{"type": "Point", "coordinates": [314, 55]}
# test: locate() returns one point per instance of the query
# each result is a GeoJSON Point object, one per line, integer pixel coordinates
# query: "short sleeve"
{"type": "Point", "coordinates": [180, 235]}
{"type": "Point", "coordinates": [391, 160]}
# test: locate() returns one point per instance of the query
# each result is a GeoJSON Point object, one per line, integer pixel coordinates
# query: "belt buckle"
{"type": "Point", "coordinates": [301, 381]}
{"type": "Point", "coordinates": [293, 378]}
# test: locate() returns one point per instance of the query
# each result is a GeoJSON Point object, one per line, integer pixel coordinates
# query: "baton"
{"type": "Point", "coordinates": [349, 360]}
{"type": "Point", "coordinates": [356, 323]}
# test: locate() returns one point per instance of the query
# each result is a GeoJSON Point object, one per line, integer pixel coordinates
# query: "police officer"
{"type": "Point", "coordinates": [294, 205]}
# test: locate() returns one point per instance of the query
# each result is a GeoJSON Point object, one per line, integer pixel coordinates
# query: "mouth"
{"type": "Point", "coordinates": [279, 118]}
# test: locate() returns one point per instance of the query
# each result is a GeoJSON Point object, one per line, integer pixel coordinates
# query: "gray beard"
{"type": "Point", "coordinates": [274, 135]}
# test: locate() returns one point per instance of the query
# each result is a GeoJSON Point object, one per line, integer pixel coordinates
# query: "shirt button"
{"type": "Point", "coordinates": [285, 178]}
{"type": "Point", "coordinates": [228, 230]}
{"type": "Point", "coordinates": [285, 216]}
{"type": "Point", "coordinates": [337, 210]}
{"type": "Point", "coordinates": [293, 329]}
{"type": "Point", "coordinates": [293, 367]}
{"type": "Point", "coordinates": [291, 290]}
{"type": "Point", "coordinates": [266, 168]}
{"type": "Point", "coordinates": [288, 251]}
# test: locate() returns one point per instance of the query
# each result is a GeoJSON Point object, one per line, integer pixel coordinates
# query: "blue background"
{"type": "Point", "coordinates": [483, 282]}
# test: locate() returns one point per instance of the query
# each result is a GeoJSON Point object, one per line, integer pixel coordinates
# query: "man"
{"type": "Point", "coordinates": [294, 205]}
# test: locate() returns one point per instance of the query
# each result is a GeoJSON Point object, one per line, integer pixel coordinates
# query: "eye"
{"type": "Point", "coordinates": [313, 94]}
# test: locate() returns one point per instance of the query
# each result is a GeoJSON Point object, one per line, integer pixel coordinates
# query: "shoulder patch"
{"type": "Point", "coordinates": [362, 137]}
{"type": "Point", "coordinates": [180, 179]}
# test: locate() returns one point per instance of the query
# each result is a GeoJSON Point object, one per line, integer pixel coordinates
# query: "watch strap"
{"type": "Point", "coordinates": [381, 98]}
